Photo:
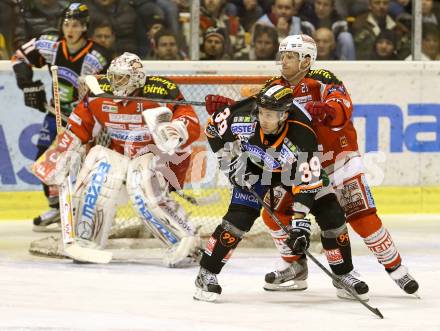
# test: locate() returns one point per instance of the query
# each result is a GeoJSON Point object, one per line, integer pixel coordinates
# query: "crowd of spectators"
{"type": "Point", "coordinates": [234, 29]}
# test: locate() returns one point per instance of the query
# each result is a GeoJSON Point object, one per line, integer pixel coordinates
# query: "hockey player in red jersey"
{"type": "Point", "coordinates": [328, 102]}
{"type": "Point", "coordinates": [148, 157]}
{"type": "Point", "coordinates": [74, 55]}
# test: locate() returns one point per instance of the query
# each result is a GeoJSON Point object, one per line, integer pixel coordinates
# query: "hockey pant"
{"type": "Point", "coordinates": [356, 199]}
{"type": "Point", "coordinates": [149, 193]}
{"type": "Point", "coordinates": [243, 210]}
{"type": "Point", "coordinates": [330, 218]}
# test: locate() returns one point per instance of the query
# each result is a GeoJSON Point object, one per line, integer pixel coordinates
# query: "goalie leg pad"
{"type": "Point", "coordinates": [98, 185]}
{"type": "Point", "coordinates": [166, 218]}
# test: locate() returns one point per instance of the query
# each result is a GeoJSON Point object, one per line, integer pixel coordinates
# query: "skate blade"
{"type": "Point", "coordinates": [88, 255]}
{"type": "Point", "coordinates": [417, 295]}
{"type": "Point", "coordinates": [343, 294]}
{"type": "Point", "coordinates": [297, 285]}
{"type": "Point", "coordinates": [201, 295]}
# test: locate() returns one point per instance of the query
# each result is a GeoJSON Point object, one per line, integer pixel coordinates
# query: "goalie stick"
{"type": "Point", "coordinates": [309, 255]}
{"type": "Point", "coordinates": [65, 196]}
{"type": "Point", "coordinates": [93, 85]}
{"type": "Point", "coordinates": [65, 189]}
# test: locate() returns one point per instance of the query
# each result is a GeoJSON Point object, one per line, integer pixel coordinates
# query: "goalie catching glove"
{"type": "Point", "coordinates": [168, 135]}
{"type": "Point", "coordinates": [299, 235]}
{"type": "Point", "coordinates": [61, 157]}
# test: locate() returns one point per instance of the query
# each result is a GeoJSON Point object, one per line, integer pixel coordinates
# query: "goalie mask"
{"type": "Point", "coordinates": [126, 74]}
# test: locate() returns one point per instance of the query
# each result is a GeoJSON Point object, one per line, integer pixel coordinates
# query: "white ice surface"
{"type": "Point", "coordinates": [52, 294]}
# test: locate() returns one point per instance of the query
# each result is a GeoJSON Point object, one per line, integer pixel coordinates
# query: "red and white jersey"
{"type": "Point", "coordinates": [123, 120]}
{"type": "Point", "coordinates": [339, 141]}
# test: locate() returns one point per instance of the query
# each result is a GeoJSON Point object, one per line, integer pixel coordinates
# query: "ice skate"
{"type": "Point", "coordinates": [404, 280]}
{"type": "Point", "coordinates": [207, 287]}
{"type": "Point", "coordinates": [49, 221]}
{"type": "Point", "coordinates": [292, 278]}
{"type": "Point", "coordinates": [354, 283]}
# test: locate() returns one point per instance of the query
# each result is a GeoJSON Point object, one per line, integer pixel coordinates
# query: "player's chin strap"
{"type": "Point", "coordinates": [309, 255]}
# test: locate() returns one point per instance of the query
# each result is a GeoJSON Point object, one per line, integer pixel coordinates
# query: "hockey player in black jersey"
{"type": "Point", "coordinates": [267, 142]}
{"type": "Point", "coordinates": [75, 56]}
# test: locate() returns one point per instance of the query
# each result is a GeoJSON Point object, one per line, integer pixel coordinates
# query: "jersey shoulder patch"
{"type": "Point", "coordinates": [272, 81]}
{"type": "Point", "coordinates": [96, 60]}
{"type": "Point", "coordinates": [161, 88]}
{"type": "Point", "coordinates": [104, 84]}
{"type": "Point", "coordinates": [324, 76]}
{"type": "Point", "coordinates": [46, 43]}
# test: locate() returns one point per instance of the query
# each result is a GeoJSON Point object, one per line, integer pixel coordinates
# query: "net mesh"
{"type": "Point", "coordinates": [203, 179]}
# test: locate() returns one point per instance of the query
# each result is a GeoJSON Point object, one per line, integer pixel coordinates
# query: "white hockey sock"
{"type": "Point", "coordinates": [382, 246]}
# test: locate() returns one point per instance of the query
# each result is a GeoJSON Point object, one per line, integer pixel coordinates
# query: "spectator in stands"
{"type": "Point", "coordinates": [214, 45]}
{"type": "Point", "coordinates": [324, 15]}
{"type": "Point", "coordinates": [430, 42]}
{"type": "Point", "coordinates": [283, 18]}
{"type": "Point", "coordinates": [429, 13]}
{"type": "Point", "coordinates": [264, 46]}
{"type": "Point", "coordinates": [7, 23]}
{"type": "Point", "coordinates": [326, 44]}
{"type": "Point", "coordinates": [399, 7]}
{"type": "Point", "coordinates": [103, 34]}
{"type": "Point", "coordinates": [213, 14]}
{"type": "Point", "coordinates": [147, 12]}
{"type": "Point", "coordinates": [122, 16]}
{"type": "Point", "coordinates": [249, 12]}
{"type": "Point", "coordinates": [150, 10]}
{"type": "Point", "coordinates": [359, 7]}
{"type": "Point", "coordinates": [368, 26]}
{"type": "Point", "coordinates": [166, 47]}
{"type": "Point", "coordinates": [35, 18]}
{"type": "Point", "coordinates": [153, 26]}
{"type": "Point", "coordinates": [385, 46]}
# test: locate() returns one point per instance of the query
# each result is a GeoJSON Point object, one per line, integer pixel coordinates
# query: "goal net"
{"type": "Point", "coordinates": [203, 180]}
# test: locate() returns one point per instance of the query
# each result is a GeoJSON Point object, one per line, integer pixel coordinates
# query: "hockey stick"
{"type": "Point", "coordinates": [93, 85]}
{"type": "Point", "coordinates": [65, 189]}
{"type": "Point", "coordinates": [199, 201]}
{"type": "Point", "coordinates": [309, 255]}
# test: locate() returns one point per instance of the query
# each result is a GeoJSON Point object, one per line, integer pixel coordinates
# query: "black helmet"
{"type": "Point", "coordinates": [276, 97]}
{"type": "Point", "coordinates": [77, 11]}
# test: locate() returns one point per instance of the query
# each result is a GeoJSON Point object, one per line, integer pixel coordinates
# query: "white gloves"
{"type": "Point", "coordinates": [168, 135]}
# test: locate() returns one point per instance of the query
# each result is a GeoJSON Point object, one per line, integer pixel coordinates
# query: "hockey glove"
{"type": "Point", "coordinates": [321, 112]}
{"type": "Point", "coordinates": [213, 102]}
{"type": "Point", "coordinates": [170, 136]}
{"type": "Point", "coordinates": [35, 96]}
{"type": "Point", "coordinates": [299, 235]}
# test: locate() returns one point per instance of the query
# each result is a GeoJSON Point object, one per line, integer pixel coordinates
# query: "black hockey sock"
{"type": "Point", "coordinates": [220, 246]}
{"type": "Point", "coordinates": [338, 253]}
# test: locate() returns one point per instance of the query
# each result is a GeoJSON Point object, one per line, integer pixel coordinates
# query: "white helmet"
{"type": "Point", "coordinates": [302, 44]}
{"type": "Point", "coordinates": [126, 74]}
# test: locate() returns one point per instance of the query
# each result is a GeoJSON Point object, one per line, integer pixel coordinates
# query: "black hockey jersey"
{"type": "Point", "coordinates": [49, 50]}
{"type": "Point", "coordinates": [289, 158]}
